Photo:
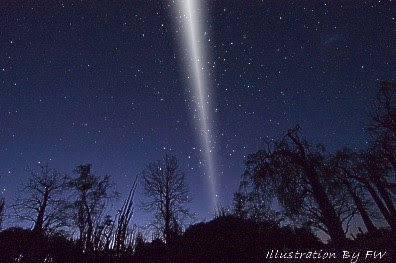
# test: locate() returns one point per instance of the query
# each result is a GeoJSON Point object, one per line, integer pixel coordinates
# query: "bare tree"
{"type": "Point", "coordinates": [167, 195]}
{"type": "Point", "coordinates": [92, 194]}
{"type": "Point", "coordinates": [41, 200]}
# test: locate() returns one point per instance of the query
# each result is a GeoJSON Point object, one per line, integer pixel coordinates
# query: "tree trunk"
{"type": "Point", "coordinates": [359, 205]}
{"type": "Point", "coordinates": [388, 202]}
{"type": "Point", "coordinates": [38, 226]}
{"type": "Point", "coordinates": [330, 218]}
{"type": "Point", "coordinates": [380, 204]}
{"type": "Point", "coordinates": [89, 245]}
{"type": "Point", "coordinates": [385, 196]}
{"type": "Point", "coordinates": [167, 231]}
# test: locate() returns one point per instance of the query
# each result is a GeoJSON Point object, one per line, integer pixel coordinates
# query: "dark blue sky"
{"type": "Point", "coordinates": [103, 83]}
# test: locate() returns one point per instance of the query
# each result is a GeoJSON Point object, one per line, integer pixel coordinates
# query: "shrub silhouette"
{"type": "Point", "coordinates": [224, 239]}
{"type": "Point", "coordinates": [232, 239]}
{"type": "Point", "coordinates": [23, 245]}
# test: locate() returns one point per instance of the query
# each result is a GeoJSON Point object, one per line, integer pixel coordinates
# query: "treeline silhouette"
{"type": "Point", "coordinates": [289, 190]}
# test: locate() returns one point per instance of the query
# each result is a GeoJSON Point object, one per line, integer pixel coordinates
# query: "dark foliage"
{"type": "Point", "coordinates": [232, 239]}
{"type": "Point", "coordinates": [22, 245]}
{"type": "Point", "coordinates": [224, 239]}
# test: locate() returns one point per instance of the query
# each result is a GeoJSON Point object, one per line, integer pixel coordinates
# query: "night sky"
{"type": "Point", "coordinates": [103, 82]}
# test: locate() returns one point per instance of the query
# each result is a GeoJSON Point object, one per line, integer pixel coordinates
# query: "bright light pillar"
{"type": "Point", "coordinates": [191, 15]}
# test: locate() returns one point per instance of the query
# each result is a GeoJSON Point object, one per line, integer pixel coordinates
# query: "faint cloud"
{"type": "Point", "coordinates": [330, 39]}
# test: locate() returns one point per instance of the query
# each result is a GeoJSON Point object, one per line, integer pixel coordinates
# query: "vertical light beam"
{"type": "Point", "coordinates": [190, 13]}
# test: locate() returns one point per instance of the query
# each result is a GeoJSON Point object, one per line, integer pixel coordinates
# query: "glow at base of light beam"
{"type": "Point", "coordinates": [191, 18]}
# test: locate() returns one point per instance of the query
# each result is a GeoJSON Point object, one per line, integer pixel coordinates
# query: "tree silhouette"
{"type": "Point", "coordinates": [377, 173]}
{"type": "Point", "coordinates": [92, 194]}
{"type": "Point", "coordinates": [380, 160]}
{"type": "Point", "coordinates": [167, 195]}
{"type": "Point", "coordinates": [382, 127]}
{"type": "Point", "coordinates": [345, 166]}
{"type": "Point", "coordinates": [295, 173]}
{"type": "Point", "coordinates": [41, 200]}
{"type": "Point", "coordinates": [253, 201]}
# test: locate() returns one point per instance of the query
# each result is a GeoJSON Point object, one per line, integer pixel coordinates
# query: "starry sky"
{"type": "Point", "coordinates": [102, 82]}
